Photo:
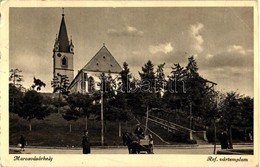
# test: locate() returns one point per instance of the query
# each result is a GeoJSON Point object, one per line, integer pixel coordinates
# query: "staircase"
{"type": "Point", "coordinates": [199, 136]}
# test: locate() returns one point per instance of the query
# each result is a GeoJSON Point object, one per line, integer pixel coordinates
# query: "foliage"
{"type": "Point", "coordinates": [68, 114]}
{"type": "Point", "coordinates": [80, 103]}
{"type": "Point", "coordinates": [148, 86]}
{"type": "Point", "coordinates": [247, 112]}
{"type": "Point", "coordinates": [60, 84]}
{"type": "Point", "coordinates": [230, 108]}
{"type": "Point", "coordinates": [15, 98]}
{"type": "Point", "coordinates": [174, 94]}
{"type": "Point", "coordinates": [235, 111]}
{"type": "Point", "coordinates": [124, 78]}
{"type": "Point", "coordinates": [38, 84]}
{"type": "Point", "coordinates": [160, 80]}
{"type": "Point", "coordinates": [16, 78]}
{"type": "Point", "coordinates": [15, 90]}
{"type": "Point", "coordinates": [32, 107]}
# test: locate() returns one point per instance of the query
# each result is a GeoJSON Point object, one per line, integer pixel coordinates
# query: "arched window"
{"type": "Point", "coordinates": [91, 84]}
{"type": "Point", "coordinates": [64, 61]}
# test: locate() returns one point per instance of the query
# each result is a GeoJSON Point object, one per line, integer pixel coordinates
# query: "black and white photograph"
{"type": "Point", "coordinates": [113, 79]}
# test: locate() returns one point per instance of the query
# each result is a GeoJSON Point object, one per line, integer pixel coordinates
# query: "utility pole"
{"type": "Point", "coordinates": [215, 136]}
{"type": "Point", "coordinates": [102, 118]}
{"type": "Point", "coordinates": [190, 115]}
{"type": "Point", "coordinates": [215, 127]}
{"type": "Point", "coordinates": [147, 116]}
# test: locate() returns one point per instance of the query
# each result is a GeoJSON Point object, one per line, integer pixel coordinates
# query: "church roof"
{"type": "Point", "coordinates": [63, 39]}
{"type": "Point", "coordinates": [103, 61]}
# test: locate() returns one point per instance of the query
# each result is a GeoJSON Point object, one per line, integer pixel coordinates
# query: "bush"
{"type": "Point", "coordinates": [178, 137]}
{"type": "Point", "coordinates": [192, 141]}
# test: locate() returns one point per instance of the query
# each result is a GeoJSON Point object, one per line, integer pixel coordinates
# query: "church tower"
{"type": "Point", "coordinates": [63, 53]}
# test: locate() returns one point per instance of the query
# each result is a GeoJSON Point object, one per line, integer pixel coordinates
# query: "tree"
{"type": "Point", "coordinates": [198, 92]}
{"type": "Point", "coordinates": [32, 107]}
{"type": "Point", "coordinates": [148, 88]}
{"type": "Point", "coordinates": [230, 111]}
{"type": "Point", "coordinates": [16, 78]}
{"type": "Point", "coordinates": [15, 98]}
{"type": "Point", "coordinates": [38, 84]}
{"type": "Point", "coordinates": [80, 104]}
{"type": "Point", "coordinates": [174, 96]}
{"type": "Point", "coordinates": [60, 84]}
{"type": "Point", "coordinates": [122, 100]}
{"type": "Point", "coordinates": [124, 78]}
{"type": "Point", "coordinates": [189, 94]}
{"type": "Point", "coordinates": [69, 114]}
{"type": "Point", "coordinates": [119, 111]}
{"type": "Point", "coordinates": [246, 118]}
{"type": "Point", "coordinates": [160, 80]}
{"type": "Point", "coordinates": [15, 88]}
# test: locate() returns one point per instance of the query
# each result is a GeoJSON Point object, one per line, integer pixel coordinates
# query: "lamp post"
{"type": "Point", "coordinates": [190, 115]}
{"type": "Point", "coordinates": [102, 118]}
{"type": "Point", "coordinates": [215, 136]}
{"type": "Point", "coordinates": [215, 127]}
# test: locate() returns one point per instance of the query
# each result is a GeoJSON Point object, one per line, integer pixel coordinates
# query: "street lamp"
{"type": "Point", "coordinates": [102, 118]}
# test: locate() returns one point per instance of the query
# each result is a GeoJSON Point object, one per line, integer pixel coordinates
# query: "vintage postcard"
{"type": "Point", "coordinates": [87, 83]}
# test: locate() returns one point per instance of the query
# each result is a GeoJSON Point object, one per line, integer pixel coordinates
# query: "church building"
{"type": "Point", "coordinates": [87, 78]}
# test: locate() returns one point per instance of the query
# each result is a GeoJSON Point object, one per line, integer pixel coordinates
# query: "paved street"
{"type": "Point", "coordinates": [202, 149]}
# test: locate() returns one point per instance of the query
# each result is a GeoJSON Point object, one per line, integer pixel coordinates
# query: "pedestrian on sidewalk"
{"type": "Point", "coordinates": [22, 143]}
{"type": "Point", "coordinates": [150, 137]}
{"type": "Point", "coordinates": [85, 143]}
{"type": "Point", "coordinates": [223, 140]}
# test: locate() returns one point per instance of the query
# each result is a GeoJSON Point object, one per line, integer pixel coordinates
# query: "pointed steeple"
{"type": "Point", "coordinates": [63, 39]}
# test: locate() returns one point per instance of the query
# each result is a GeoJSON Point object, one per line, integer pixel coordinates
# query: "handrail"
{"type": "Point", "coordinates": [171, 123]}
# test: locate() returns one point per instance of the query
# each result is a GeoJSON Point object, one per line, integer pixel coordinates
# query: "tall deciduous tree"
{"type": "Point", "coordinates": [16, 77]}
{"type": "Point", "coordinates": [60, 84]}
{"type": "Point", "coordinates": [81, 105]}
{"type": "Point", "coordinates": [124, 79]}
{"type": "Point", "coordinates": [230, 111]}
{"type": "Point", "coordinates": [32, 107]}
{"type": "Point", "coordinates": [15, 88]}
{"type": "Point", "coordinates": [15, 98]}
{"type": "Point", "coordinates": [70, 115]}
{"type": "Point", "coordinates": [247, 112]}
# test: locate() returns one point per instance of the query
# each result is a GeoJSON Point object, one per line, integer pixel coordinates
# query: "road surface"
{"type": "Point", "coordinates": [201, 149]}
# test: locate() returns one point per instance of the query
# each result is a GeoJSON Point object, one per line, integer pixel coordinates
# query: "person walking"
{"type": "Point", "coordinates": [22, 142]}
{"type": "Point", "coordinates": [223, 140]}
{"type": "Point", "coordinates": [85, 143]}
{"type": "Point", "coordinates": [150, 136]}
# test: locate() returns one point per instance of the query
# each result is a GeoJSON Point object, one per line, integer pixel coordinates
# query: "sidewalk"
{"type": "Point", "coordinates": [176, 146]}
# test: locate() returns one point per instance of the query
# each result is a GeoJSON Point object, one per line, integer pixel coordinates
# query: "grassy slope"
{"type": "Point", "coordinates": [54, 131]}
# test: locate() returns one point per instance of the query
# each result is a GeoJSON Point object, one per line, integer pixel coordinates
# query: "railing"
{"type": "Point", "coordinates": [172, 126]}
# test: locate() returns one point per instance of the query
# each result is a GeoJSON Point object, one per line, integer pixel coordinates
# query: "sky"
{"type": "Point", "coordinates": [220, 38]}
